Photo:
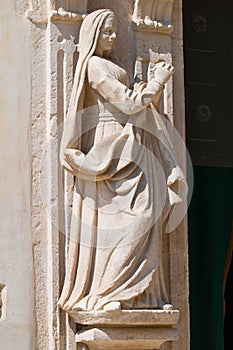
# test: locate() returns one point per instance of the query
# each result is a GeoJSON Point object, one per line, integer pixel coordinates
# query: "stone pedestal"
{"type": "Point", "coordinates": [123, 329]}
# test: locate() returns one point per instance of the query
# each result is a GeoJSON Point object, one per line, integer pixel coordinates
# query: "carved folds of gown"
{"type": "Point", "coordinates": [120, 197]}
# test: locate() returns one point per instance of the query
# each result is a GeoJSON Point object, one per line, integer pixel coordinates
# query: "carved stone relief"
{"type": "Point", "coordinates": [154, 28]}
{"type": "Point", "coordinates": [69, 10]}
{"type": "Point", "coordinates": [54, 56]}
{"type": "Point", "coordinates": [75, 6]}
{"type": "Point", "coordinates": [61, 10]}
{"type": "Point", "coordinates": [65, 19]}
{"type": "Point", "coordinates": [62, 15]}
{"type": "Point", "coordinates": [101, 258]}
{"type": "Point", "coordinates": [94, 50]}
{"type": "Point", "coordinates": [153, 15]}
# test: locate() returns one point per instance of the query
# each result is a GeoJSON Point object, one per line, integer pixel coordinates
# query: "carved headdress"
{"type": "Point", "coordinates": [89, 35]}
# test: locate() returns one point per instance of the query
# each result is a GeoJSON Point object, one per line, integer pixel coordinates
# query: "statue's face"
{"type": "Point", "coordinates": [106, 41]}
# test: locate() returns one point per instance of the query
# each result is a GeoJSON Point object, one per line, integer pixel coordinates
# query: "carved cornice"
{"type": "Point", "coordinates": [158, 27]}
{"type": "Point", "coordinates": [153, 16]}
{"type": "Point", "coordinates": [37, 12]}
{"type": "Point", "coordinates": [66, 16]}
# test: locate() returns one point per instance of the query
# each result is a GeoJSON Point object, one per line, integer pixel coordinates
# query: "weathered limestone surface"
{"type": "Point", "coordinates": [120, 239]}
{"type": "Point", "coordinates": [137, 338]}
{"type": "Point", "coordinates": [179, 239]}
{"type": "Point", "coordinates": [127, 317]}
{"type": "Point", "coordinates": [39, 51]}
{"type": "Point", "coordinates": [126, 329]}
{"type": "Point", "coordinates": [16, 262]}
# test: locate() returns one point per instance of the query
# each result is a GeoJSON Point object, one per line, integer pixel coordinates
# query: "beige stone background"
{"type": "Point", "coordinates": [16, 260]}
{"type": "Point", "coordinates": [38, 55]}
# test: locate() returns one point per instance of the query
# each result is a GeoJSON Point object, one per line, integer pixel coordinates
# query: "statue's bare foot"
{"type": "Point", "coordinates": [148, 21]}
{"type": "Point", "coordinates": [113, 306]}
{"type": "Point", "coordinates": [140, 22]}
{"type": "Point", "coordinates": [167, 307]}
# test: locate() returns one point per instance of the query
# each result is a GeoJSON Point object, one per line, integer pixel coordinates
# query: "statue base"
{"type": "Point", "coordinates": [125, 329]}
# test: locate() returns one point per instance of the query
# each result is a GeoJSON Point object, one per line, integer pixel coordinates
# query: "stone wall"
{"type": "Point", "coordinates": [16, 261]}
{"type": "Point", "coordinates": [38, 57]}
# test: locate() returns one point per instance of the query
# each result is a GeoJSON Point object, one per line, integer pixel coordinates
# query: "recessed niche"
{"type": "Point", "coordinates": [2, 301]}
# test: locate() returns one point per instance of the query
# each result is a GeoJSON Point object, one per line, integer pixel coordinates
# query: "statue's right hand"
{"type": "Point", "coordinates": [162, 72]}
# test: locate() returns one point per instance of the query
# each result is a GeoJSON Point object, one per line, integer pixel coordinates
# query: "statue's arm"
{"type": "Point", "coordinates": [116, 93]}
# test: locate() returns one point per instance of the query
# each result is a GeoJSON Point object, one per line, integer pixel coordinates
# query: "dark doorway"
{"type": "Point", "coordinates": [208, 48]}
{"type": "Point", "coordinates": [208, 51]}
{"type": "Point", "coordinates": [210, 218]}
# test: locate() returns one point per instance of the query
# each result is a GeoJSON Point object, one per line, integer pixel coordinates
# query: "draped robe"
{"type": "Point", "coordinates": [121, 196]}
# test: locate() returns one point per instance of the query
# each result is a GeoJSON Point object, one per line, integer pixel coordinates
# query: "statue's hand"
{"type": "Point", "coordinates": [162, 72]}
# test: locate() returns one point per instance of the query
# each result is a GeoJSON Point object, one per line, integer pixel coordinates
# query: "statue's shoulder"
{"type": "Point", "coordinates": [98, 66]}
{"type": "Point", "coordinates": [97, 70]}
{"type": "Point", "coordinates": [97, 62]}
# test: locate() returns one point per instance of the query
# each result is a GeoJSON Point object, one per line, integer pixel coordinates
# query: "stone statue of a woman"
{"type": "Point", "coordinates": [123, 180]}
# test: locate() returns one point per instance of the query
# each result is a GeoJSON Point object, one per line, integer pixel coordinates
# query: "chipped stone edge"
{"type": "Point", "coordinates": [127, 317]}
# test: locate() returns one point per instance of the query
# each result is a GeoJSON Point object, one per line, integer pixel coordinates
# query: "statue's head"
{"type": "Point", "coordinates": [107, 36]}
{"type": "Point", "coordinates": [97, 37]}
{"type": "Point", "coordinates": [98, 33]}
